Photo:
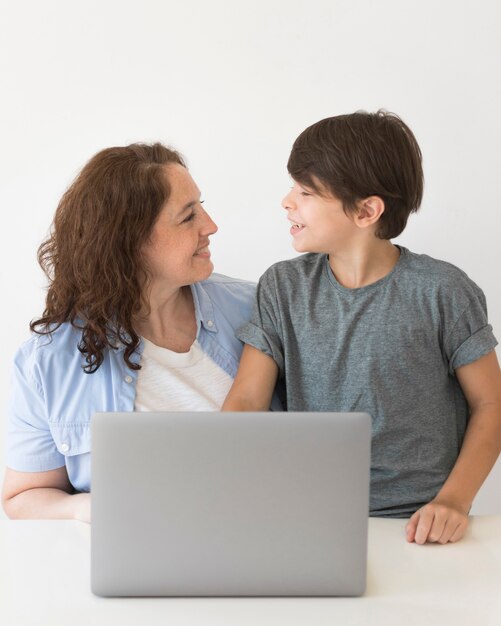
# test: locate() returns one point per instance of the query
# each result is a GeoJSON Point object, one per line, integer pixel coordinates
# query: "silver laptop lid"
{"type": "Point", "coordinates": [230, 504]}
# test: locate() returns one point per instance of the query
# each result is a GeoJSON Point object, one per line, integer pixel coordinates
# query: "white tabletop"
{"type": "Point", "coordinates": [45, 579]}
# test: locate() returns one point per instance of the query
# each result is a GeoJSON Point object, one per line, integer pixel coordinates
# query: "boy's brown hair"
{"type": "Point", "coordinates": [359, 155]}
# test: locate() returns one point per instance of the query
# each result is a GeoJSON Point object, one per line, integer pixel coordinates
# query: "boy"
{"type": "Point", "coordinates": [359, 324]}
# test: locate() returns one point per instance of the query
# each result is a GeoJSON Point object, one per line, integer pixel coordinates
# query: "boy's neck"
{"type": "Point", "coordinates": [363, 265]}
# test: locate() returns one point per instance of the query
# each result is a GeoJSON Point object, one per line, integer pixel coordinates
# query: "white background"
{"type": "Point", "coordinates": [231, 84]}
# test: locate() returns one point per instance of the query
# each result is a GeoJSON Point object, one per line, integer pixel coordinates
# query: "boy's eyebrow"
{"type": "Point", "coordinates": [320, 189]}
{"type": "Point", "coordinates": [307, 188]}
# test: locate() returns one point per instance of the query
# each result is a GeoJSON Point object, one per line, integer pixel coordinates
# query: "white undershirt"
{"type": "Point", "coordinates": [173, 381]}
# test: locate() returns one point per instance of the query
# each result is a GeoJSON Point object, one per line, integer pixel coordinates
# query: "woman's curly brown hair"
{"type": "Point", "coordinates": [92, 257]}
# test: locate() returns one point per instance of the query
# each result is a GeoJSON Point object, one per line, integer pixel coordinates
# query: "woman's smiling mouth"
{"type": "Point", "coordinates": [204, 251]}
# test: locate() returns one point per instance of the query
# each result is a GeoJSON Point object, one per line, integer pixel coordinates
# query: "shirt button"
{"type": "Point", "coordinates": [65, 447]}
{"type": "Point", "coordinates": [210, 323]}
{"type": "Point", "coordinates": [128, 379]}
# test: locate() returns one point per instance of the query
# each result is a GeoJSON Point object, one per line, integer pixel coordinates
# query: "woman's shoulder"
{"type": "Point", "coordinates": [222, 279]}
{"type": "Point", "coordinates": [61, 341]}
{"type": "Point", "coordinates": [224, 300]}
{"type": "Point", "coordinates": [223, 289]}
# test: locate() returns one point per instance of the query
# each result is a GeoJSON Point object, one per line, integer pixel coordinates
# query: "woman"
{"type": "Point", "coordinates": [133, 321]}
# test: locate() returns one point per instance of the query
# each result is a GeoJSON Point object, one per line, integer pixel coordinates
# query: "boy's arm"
{"type": "Point", "coordinates": [445, 518]}
{"type": "Point", "coordinates": [254, 383]}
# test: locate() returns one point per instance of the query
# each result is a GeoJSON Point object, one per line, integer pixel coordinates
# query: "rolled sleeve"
{"type": "Point", "coordinates": [258, 338]}
{"type": "Point", "coordinates": [30, 445]}
{"type": "Point", "coordinates": [263, 330]}
{"type": "Point", "coordinates": [477, 345]}
{"type": "Point", "coordinates": [471, 336]}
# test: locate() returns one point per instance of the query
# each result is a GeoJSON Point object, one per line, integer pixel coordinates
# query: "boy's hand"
{"type": "Point", "coordinates": [437, 522]}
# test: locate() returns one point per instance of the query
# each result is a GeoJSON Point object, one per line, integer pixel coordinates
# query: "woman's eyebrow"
{"type": "Point", "coordinates": [187, 206]}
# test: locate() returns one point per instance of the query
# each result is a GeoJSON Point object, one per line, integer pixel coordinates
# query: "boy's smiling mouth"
{"type": "Point", "coordinates": [296, 228]}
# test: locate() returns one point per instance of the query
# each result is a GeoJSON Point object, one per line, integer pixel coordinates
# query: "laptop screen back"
{"type": "Point", "coordinates": [230, 504]}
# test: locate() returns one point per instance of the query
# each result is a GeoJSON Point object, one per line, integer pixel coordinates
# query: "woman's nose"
{"type": "Point", "coordinates": [210, 227]}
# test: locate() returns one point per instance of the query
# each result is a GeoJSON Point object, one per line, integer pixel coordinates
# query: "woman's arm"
{"type": "Point", "coordinates": [445, 518]}
{"type": "Point", "coordinates": [43, 495]}
{"type": "Point", "coordinates": [254, 383]}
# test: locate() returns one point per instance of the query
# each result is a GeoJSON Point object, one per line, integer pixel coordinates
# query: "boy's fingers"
{"type": "Point", "coordinates": [410, 528]}
{"type": "Point", "coordinates": [449, 529]}
{"type": "Point", "coordinates": [455, 529]}
{"type": "Point", "coordinates": [436, 524]}
{"type": "Point", "coordinates": [459, 532]}
{"type": "Point", "coordinates": [425, 523]}
{"type": "Point", "coordinates": [438, 527]}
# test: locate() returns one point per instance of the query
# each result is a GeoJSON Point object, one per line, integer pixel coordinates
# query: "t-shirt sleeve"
{"type": "Point", "coordinates": [30, 445]}
{"type": "Point", "coordinates": [471, 335]}
{"type": "Point", "coordinates": [263, 330]}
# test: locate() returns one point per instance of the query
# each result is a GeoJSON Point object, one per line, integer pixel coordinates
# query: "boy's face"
{"type": "Point", "coordinates": [319, 223]}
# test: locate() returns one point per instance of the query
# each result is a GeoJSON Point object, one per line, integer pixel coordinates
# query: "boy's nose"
{"type": "Point", "coordinates": [287, 202]}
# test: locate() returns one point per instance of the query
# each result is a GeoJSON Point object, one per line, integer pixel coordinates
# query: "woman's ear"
{"type": "Point", "coordinates": [369, 211]}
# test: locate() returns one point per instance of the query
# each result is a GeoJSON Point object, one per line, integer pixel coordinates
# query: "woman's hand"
{"type": "Point", "coordinates": [81, 506]}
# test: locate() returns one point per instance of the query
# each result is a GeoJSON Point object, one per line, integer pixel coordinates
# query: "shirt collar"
{"type": "Point", "coordinates": [204, 309]}
{"type": "Point", "coordinates": [204, 313]}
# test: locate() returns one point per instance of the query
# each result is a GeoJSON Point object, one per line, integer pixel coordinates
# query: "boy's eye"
{"type": "Point", "coordinates": [305, 193]}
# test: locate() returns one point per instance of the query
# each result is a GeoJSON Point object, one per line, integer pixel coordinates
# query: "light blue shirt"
{"type": "Point", "coordinates": [53, 399]}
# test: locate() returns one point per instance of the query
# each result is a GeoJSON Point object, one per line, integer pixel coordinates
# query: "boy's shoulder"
{"type": "Point", "coordinates": [439, 283]}
{"type": "Point", "coordinates": [301, 266]}
{"type": "Point", "coordinates": [435, 271]}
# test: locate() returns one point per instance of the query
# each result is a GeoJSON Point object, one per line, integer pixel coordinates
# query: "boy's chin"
{"type": "Point", "coordinates": [298, 247]}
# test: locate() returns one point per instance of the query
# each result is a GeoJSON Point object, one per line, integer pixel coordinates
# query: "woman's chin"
{"type": "Point", "coordinates": [206, 271]}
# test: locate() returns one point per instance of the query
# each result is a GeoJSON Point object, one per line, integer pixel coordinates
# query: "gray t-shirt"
{"type": "Point", "coordinates": [389, 349]}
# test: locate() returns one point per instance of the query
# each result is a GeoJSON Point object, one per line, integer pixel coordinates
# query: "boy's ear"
{"type": "Point", "coordinates": [369, 211]}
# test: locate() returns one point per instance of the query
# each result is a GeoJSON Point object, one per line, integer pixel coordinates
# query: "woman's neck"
{"type": "Point", "coordinates": [171, 321]}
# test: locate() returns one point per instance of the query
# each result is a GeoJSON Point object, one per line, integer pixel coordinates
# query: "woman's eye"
{"type": "Point", "coordinates": [191, 216]}
{"type": "Point", "coordinates": [305, 193]}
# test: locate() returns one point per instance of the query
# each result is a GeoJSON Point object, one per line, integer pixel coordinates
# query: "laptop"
{"type": "Point", "coordinates": [229, 504]}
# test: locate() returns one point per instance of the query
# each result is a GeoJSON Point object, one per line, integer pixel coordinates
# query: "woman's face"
{"type": "Point", "coordinates": [177, 251]}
